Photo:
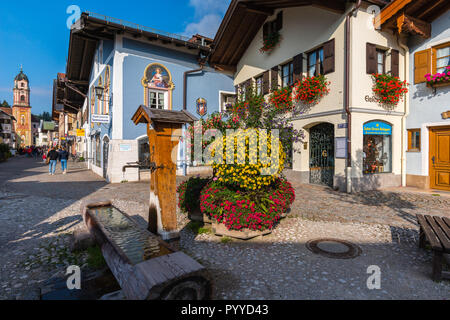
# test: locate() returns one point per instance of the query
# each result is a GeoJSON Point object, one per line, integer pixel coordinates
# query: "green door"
{"type": "Point", "coordinates": [321, 158]}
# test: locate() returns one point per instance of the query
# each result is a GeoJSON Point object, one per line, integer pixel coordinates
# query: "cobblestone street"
{"type": "Point", "coordinates": [38, 212]}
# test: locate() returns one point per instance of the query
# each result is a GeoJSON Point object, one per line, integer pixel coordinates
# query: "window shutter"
{"type": "Point", "coordinates": [395, 69]}
{"type": "Point", "coordinates": [422, 64]}
{"type": "Point", "coordinates": [279, 21]}
{"type": "Point", "coordinates": [328, 54]}
{"type": "Point", "coordinates": [266, 83]}
{"type": "Point", "coordinates": [274, 78]}
{"type": "Point", "coordinates": [371, 58]}
{"type": "Point", "coordinates": [298, 67]}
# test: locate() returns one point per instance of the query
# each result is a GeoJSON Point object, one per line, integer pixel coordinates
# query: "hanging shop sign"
{"type": "Point", "coordinates": [100, 118]}
{"type": "Point", "coordinates": [446, 115]}
{"type": "Point", "coordinates": [202, 107]}
{"type": "Point", "coordinates": [377, 128]}
{"type": "Point", "coordinates": [81, 132]}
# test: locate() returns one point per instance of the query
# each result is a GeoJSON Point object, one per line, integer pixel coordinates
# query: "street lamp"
{"type": "Point", "coordinates": [99, 91]}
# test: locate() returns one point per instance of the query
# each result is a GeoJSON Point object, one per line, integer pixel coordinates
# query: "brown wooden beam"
{"type": "Point", "coordinates": [408, 24]}
{"type": "Point", "coordinates": [257, 9]}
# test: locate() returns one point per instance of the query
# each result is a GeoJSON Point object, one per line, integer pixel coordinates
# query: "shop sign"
{"type": "Point", "coordinates": [377, 128]}
{"type": "Point", "coordinates": [125, 147]}
{"type": "Point", "coordinates": [81, 132]}
{"type": "Point", "coordinates": [100, 118]}
{"type": "Point", "coordinates": [371, 99]}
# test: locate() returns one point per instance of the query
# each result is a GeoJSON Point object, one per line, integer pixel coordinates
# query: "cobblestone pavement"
{"type": "Point", "coordinates": [38, 212]}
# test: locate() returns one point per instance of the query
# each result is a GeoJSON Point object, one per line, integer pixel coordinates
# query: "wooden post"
{"type": "Point", "coordinates": [163, 130]}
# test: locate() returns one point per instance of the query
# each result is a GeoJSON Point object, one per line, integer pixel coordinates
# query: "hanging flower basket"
{"type": "Point", "coordinates": [270, 41]}
{"type": "Point", "coordinates": [389, 90]}
{"type": "Point", "coordinates": [438, 79]}
{"type": "Point", "coordinates": [310, 90]}
{"type": "Point", "coordinates": [281, 99]}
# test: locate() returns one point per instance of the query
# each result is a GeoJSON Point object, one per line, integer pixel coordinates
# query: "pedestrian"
{"type": "Point", "coordinates": [52, 159]}
{"type": "Point", "coordinates": [63, 157]}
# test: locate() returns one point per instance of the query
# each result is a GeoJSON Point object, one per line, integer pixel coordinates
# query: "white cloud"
{"type": "Point", "coordinates": [207, 26]}
{"type": "Point", "coordinates": [208, 15]}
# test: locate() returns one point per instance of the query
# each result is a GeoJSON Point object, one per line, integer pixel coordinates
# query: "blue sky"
{"type": "Point", "coordinates": [34, 34]}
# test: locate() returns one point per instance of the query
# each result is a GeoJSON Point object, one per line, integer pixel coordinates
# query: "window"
{"type": "Point", "coordinates": [157, 99]}
{"type": "Point", "coordinates": [22, 98]}
{"type": "Point", "coordinates": [98, 160]}
{"type": "Point", "coordinates": [442, 54]}
{"type": "Point", "coordinates": [381, 61]}
{"type": "Point", "coordinates": [144, 150]}
{"type": "Point", "coordinates": [315, 62]}
{"type": "Point", "coordinates": [259, 86]}
{"type": "Point", "coordinates": [413, 140]}
{"type": "Point", "coordinates": [287, 74]}
{"type": "Point", "coordinates": [377, 148]}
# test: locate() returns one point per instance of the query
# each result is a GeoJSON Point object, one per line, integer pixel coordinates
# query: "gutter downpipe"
{"type": "Point", "coordinates": [185, 75]}
{"type": "Point", "coordinates": [406, 113]}
{"type": "Point", "coordinates": [347, 96]}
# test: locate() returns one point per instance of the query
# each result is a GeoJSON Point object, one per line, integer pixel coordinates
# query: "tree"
{"type": "Point", "coordinates": [5, 104]}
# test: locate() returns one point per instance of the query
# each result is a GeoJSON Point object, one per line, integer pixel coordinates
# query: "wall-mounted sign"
{"type": "Point", "coordinates": [100, 118]}
{"type": "Point", "coordinates": [81, 132]}
{"type": "Point", "coordinates": [125, 147]}
{"type": "Point", "coordinates": [202, 108]}
{"type": "Point", "coordinates": [342, 126]}
{"type": "Point", "coordinates": [341, 148]}
{"type": "Point", "coordinates": [371, 99]}
{"type": "Point", "coordinates": [377, 128]}
{"type": "Point", "coordinates": [446, 115]}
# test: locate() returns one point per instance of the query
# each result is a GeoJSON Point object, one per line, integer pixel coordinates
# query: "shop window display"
{"type": "Point", "coordinates": [377, 149]}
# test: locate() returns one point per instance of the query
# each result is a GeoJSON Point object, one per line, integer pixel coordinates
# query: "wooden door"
{"type": "Point", "coordinates": [440, 158]}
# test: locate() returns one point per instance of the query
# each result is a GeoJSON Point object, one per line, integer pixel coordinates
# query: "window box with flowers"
{"type": "Point", "coordinates": [389, 90]}
{"type": "Point", "coordinates": [270, 41]}
{"type": "Point", "coordinates": [439, 79]}
{"type": "Point", "coordinates": [310, 90]}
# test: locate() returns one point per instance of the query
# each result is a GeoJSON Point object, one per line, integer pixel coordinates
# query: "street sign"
{"type": "Point", "coordinates": [100, 118]}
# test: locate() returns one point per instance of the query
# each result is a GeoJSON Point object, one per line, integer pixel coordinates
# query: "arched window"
{"type": "Point", "coordinates": [22, 98]}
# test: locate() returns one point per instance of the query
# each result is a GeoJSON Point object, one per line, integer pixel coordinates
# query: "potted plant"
{"type": "Point", "coordinates": [310, 90]}
{"type": "Point", "coordinates": [438, 79]}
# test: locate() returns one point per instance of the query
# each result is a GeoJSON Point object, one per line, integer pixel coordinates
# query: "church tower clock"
{"type": "Point", "coordinates": [22, 110]}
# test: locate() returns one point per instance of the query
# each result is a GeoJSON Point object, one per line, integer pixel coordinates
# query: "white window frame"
{"type": "Point", "coordinates": [222, 95]}
{"type": "Point", "coordinates": [166, 97]}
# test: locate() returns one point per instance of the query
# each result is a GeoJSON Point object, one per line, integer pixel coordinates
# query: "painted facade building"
{"type": "Point", "coordinates": [122, 67]}
{"type": "Point", "coordinates": [428, 122]}
{"type": "Point", "coordinates": [352, 143]}
{"type": "Point", "coordinates": [21, 110]}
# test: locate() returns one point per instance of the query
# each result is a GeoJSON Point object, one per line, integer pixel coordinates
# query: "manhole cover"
{"type": "Point", "coordinates": [334, 248]}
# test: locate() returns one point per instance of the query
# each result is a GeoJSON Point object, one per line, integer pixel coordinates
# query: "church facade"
{"type": "Point", "coordinates": [21, 110]}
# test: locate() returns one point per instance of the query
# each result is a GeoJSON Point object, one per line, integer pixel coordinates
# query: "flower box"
{"type": "Point", "coordinates": [220, 229]}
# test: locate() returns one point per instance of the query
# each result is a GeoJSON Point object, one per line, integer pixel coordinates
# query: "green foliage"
{"type": "Point", "coordinates": [95, 258]}
{"type": "Point", "coordinates": [189, 194]}
{"type": "Point", "coordinates": [225, 240]}
{"type": "Point", "coordinates": [197, 227]}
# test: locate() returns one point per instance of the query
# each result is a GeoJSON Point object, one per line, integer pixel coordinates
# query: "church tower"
{"type": "Point", "coordinates": [22, 110]}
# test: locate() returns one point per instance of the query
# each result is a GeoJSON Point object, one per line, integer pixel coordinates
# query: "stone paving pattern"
{"type": "Point", "coordinates": [38, 212]}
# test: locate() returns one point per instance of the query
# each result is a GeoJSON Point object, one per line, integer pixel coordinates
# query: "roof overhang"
{"type": "Point", "coordinates": [243, 20]}
{"type": "Point", "coordinates": [148, 115]}
{"type": "Point", "coordinates": [411, 17]}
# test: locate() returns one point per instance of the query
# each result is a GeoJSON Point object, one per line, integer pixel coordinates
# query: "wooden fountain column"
{"type": "Point", "coordinates": [163, 130]}
{"type": "Point", "coordinates": [163, 201]}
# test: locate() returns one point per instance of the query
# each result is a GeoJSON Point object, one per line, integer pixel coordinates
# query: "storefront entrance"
{"type": "Point", "coordinates": [321, 158]}
{"type": "Point", "coordinates": [440, 158]}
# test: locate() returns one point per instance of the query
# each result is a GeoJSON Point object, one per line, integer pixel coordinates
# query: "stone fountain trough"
{"type": "Point", "coordinates": [145, 267]}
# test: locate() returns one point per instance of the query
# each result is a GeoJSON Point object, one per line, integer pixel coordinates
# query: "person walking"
{"type": "Point", "coordinates": [52, 159]}
{"type": "Point", "coordinates": [63, 157]}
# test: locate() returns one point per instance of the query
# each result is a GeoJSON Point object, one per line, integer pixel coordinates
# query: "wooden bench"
{"type": "Point", "coordinates": [437, 231]}
{"type": "Point", "coordinates": [145, 267]}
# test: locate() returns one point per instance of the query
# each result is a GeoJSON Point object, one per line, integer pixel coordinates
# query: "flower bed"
{"type": "Point", "coordinates": [389, 90]}
{"type": "Point", "coordinates": [238, 210]}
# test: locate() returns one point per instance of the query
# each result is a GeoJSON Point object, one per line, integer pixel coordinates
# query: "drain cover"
{"type": "Point", "coordinates": [334, 248]}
